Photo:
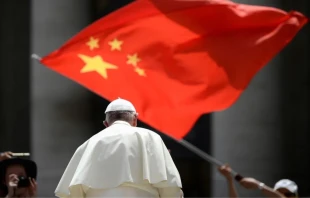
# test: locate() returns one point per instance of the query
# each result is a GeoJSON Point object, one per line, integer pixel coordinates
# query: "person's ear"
{"type": "Point", "coordinates": [135, 121]}
{"type": "Point", "coordinates": [105, 123]}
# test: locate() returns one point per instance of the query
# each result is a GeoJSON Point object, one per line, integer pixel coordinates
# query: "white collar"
{"type": "Point", "coordinates": [121, 122]}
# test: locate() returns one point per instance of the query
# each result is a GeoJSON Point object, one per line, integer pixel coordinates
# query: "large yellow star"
{"type": "Point", "coordinates": [93, 43]}
{"type": "Point", "coordinates": [96, 64]}
{"type": "Point", "coordinates": [116, 45]}
{"type": "Point", "coordinates": [140, 71]}
{"type": "Point", "coordinates": [133, 59]}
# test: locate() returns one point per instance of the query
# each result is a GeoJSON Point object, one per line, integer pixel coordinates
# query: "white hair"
{"type": "Point", "coordinates": [127, 116]}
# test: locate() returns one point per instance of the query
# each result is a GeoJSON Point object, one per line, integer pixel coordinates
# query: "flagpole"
{"type": "Point", "coordinates": [200, 153]}
{"type": "Point", "coordinates": [206, 157]}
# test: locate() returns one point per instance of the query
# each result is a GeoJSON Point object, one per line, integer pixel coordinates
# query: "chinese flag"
{"type": "Point", "coordinates": [175, 60]}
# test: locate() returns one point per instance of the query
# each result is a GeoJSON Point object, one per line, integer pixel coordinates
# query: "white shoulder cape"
{"type": "Point", "coordinates": [120, 153]}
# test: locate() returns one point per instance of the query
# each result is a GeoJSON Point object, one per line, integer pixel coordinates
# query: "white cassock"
{"type": "Point", "coordinates": [121, 161]}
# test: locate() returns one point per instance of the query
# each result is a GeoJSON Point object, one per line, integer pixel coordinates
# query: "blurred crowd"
{"type": "Point", "coordinates": [18, 179]}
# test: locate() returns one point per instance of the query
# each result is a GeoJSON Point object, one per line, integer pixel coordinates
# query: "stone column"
{"type": "Point", "coordinates": [264, 132]}
{"type": "Point", "coordinates": [60, 117]}
{"type": "Point", "coordinates": [295, 109]}
{"type": "Point", "coordinates": [15, 76]}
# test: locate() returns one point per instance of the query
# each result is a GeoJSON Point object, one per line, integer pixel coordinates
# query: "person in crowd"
{"type": "Point", "coordinates": [18, 177]}
{"type": "Point", "coordinates": [4, 156]}
{"type": "Point", "coordinates": [284, 188]}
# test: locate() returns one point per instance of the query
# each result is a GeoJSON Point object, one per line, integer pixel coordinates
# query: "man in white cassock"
{"type": "Point", "coordinates": [121, 161]}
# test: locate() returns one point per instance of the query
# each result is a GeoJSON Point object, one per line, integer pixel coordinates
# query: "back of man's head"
{"type": "Point", "coordinates": [120, 110]}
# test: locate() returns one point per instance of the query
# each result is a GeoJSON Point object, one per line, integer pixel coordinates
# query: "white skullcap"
{"type": "Point", "coordinates": [120, 105]}
{"type": "Point", "coordinates": [287, 184]}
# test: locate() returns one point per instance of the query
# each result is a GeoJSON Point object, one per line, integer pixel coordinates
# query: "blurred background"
{"type": "Point", "coordinates": [264, 135]}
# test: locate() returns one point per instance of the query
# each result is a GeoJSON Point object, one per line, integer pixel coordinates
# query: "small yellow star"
{"type": "Point", "coordinates": [140, 71]}
{"type": "Point", "coordinates": [133, 59]}
{"type": "Point", "coordinates": [116, 44]}
{"type": "Point", "coordinates": [93, 43]}
{"type": "Point", "coordinates": [96, 64]}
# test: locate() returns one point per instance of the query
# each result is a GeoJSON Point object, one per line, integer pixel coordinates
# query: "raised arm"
{"type": "Point", "coordinates": [251, 183]}
{"type": "Point", "coordinates": [226, 172]}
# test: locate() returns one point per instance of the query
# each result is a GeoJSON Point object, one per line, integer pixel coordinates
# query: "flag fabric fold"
{"type": "Point", "coordinates": [176, 60]}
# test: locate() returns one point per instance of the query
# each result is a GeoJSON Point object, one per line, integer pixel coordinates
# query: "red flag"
{"type": "Point", "coordinates": [175, 60]}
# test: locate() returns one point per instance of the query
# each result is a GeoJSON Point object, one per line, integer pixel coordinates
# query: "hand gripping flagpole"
{"type": "Point", "coordinates": [36, 57]}
{"type": "Point", "coordinates": [207, 157]}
